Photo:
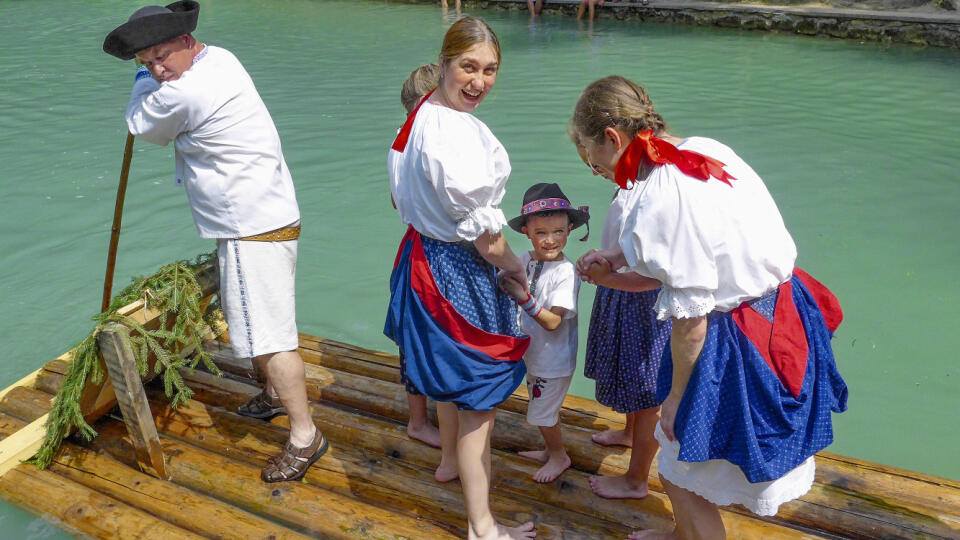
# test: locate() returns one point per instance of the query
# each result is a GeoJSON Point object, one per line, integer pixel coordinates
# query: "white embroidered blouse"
{"type": "Point", "coordinates": [451, 177]}
{"type": "Point", "coordinates": [711, 245]}
{"type": "Point", "coordinates": [227, 149]}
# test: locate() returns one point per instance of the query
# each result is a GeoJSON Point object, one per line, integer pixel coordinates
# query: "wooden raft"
{"type": "Point", "coordinates": [377, 483]}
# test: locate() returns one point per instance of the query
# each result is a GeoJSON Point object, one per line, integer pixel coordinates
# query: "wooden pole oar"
{"type": "Point", "coordinates": [117, 215]}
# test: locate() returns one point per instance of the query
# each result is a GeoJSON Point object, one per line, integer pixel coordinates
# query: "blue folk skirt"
{"type": "Point", "coordinates": [624, 346]}
{"type": "Point", "coordinates": [456, 331]}
{"type": "Point", "coordinates": [735, 407]}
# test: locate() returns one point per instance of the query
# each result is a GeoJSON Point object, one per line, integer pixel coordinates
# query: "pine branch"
{"type": "Point", "coordinates": [173, 291]}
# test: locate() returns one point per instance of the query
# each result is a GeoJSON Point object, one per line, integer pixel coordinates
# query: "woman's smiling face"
{"type": "Point", "coordinates": [468, 78]}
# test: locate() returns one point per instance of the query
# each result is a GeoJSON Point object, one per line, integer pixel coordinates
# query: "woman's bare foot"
{"type": "Point", "coordinates": [446, 472]}
{"type": "Point", "coordinates": [617, 487]}
{"type": "Point", "coordinates": [650, 534]}
{"type": "Point", "coordinates": [426, 433]}
{"type": "Point", "coordinates": [613, 437]}
{"type": "Point", "coordinates": [502, 532]}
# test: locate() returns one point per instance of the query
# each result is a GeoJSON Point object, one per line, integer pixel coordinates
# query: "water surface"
{"type": "Point", "coordinates": [857, 143]}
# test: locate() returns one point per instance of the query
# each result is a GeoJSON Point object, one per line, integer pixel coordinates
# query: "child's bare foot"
{"type": "Point", "coordinates": [446, 472]}
{"type": "Point", "coordinates": [613, 437]}
{"type": "Point", "coordinates": [425, 433]}
{"type": "Point", "coordinates": [650, 534]}
{"type": "Point", "coordinates": [617, 487]}
{"type": "Point", "coordinates": [537, 455]}
{"type": "Point", "coordinates": [552, 469]}
{"type": "Point", "coordinates": [501, 532]}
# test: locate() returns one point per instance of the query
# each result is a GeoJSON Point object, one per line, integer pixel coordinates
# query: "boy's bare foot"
{"type": "Point", "coordinates": [501, 532]}
{"type": "Point", "coordinates": [426, 433]}
{"type": "Point", "coordinates": [445, 472]}
{"type": "Point", "coordinates": [617, 487]}
{"type": "Point", "coordinates": [552, 469]}
{"type": "Point", "coordinates": [613, 437]}
{"type": "Point", "coordinates": [650, 534]}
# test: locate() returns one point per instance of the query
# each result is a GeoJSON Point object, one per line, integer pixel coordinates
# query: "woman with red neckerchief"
{"type": "Point", "coordinates": [748, 381]}
{"type": "Point", "coordinates": [457, 332]}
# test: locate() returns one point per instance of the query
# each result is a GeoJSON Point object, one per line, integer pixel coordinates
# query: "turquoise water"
{"type": "Point", "coordinates": [857, 143]}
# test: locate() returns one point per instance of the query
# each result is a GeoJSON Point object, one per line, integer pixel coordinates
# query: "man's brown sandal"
{"type": "Point", "coordinates": [262, 406]}
{"type": "Point", "coordinates": [293, 462]}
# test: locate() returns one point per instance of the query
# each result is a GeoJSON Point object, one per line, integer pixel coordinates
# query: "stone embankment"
{"type": "Point", "coordinates": [918, 22]}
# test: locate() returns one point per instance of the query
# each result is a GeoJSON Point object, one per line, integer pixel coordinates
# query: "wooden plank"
{"type": "Point", "coordinates": [512, 480]}
{"type": "Point", "coordinates": [21, 445]}
{"type": "Point", "coordinates": [82, 510]}
{"type": "Point", "coordinates": [10, 425]}
{"type": "Point", "coordinates": [371, 476]}
{"type": "Point", "coordinates": [858, 514]}
{"type": "Point", "coordinates": [846, 485]}
{"type": "Point", "coordinates": [117, 353]}
{"type": "Point", "coordinates": [26, 403]}
{"type": "Point", "coordinates": [166, 500]}
{"type": "Point", "coordinates": [299, 505]}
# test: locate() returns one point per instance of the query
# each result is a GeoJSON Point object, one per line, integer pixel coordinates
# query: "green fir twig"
{"type": "Point", "coordinates": [173, 291]}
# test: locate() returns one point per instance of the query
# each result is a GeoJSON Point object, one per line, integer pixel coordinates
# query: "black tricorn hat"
{"type": "Point", "coordinates": [548, 197]}
{"type": "Point", "coordinates": [151, 25]}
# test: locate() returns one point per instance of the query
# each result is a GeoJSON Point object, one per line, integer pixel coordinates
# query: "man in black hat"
{"type": "Point", "coordinates": [228, 159]}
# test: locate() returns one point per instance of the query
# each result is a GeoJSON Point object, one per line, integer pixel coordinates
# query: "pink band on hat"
{"type": "Point", "coordinates": [544, 204]}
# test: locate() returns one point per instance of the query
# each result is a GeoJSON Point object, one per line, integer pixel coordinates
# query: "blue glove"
{"type": "Point", "coordinates": [142, 73]}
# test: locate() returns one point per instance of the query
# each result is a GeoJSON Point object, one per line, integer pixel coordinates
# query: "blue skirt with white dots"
{"type": "Point", "coordinates": [456, 331]}
{"type": "Point", "coordinates": [624, 346]}
{"type": "Point", "coordinates": [736, 408]}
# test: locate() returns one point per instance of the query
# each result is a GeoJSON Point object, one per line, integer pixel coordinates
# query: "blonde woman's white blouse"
{"type": "Point", "coordinates": [451, 177]}
{"type": "Point", "coordinates": [712, 246]}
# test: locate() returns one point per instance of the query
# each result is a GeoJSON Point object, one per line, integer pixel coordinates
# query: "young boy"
{"type": "Point", "coordinates": [549, 316]}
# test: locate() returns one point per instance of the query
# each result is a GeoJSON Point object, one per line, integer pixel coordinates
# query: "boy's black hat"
{"type": "Point", "coordinates": [548, 197]}
{"type": "Point", "coordinates": [151, 25]}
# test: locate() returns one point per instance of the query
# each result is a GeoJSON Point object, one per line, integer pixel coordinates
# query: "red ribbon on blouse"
{"type": "Point", "coordinates": [649, 146]}
{"type": "Point", "coordinates": [400, 143]}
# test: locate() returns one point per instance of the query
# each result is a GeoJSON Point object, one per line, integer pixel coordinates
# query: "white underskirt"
{"type": "Point", "coordinates": [724, 483]}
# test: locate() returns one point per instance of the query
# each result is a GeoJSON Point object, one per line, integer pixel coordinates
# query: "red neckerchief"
{"type": "Point", "coordinates": [658, 151]}
{"type": "Point", "coordinates": [400, 143]}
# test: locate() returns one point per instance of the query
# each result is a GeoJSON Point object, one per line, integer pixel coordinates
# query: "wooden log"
{"type": "Point", "coordinates": [180, 506]}
{"type": "Point", "coordinates": [10, 425]}
{"type": "Point", "coordinates": [371, 476]}
{"type": "Point", "coordinates": [49, 381]}
{"type": "Point", "coordinates": [298, 505]}
{"type": "Point", "coordinates": [26, 403]}
{"type": "Point", "coordinates": [389, 439]}
{"type": "Point", "coordinates": [98, 398]}
{"type": "Point", "coordinates": [117, 353]}
{"type": "Point", "coordinates": [856, 514]}
{"type": "Point", "coordinates": [81, 510]}
{"type": "Point", "coordinates": [845, 484]}
{"type": "Point", "coordinates": [576, 411]}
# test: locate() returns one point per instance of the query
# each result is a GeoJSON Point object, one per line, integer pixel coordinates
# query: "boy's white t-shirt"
{"type": "Point", "coordinates": [552, 354]}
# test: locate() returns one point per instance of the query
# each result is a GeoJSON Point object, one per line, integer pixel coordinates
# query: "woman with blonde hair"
{"type": "Point", "coordinates": [456, 331]}
{"type": "Point", "coordinates": [748, 380]}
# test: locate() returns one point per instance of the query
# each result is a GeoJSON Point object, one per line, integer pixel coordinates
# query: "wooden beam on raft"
{"type": "Point", "coordinates": [388, 441]}
{"type": "Point", "coordinates": [81, 511]}
{"type": "Point", "coordinates": [117, 353]}
{"type": "Point", "coordinates": [21, 445]}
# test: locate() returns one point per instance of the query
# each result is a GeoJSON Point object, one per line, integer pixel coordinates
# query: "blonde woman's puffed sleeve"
{"type": "Point", "coordinates": [468, 168]}
{"type": "Point", "coordinates": [666, 236]}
